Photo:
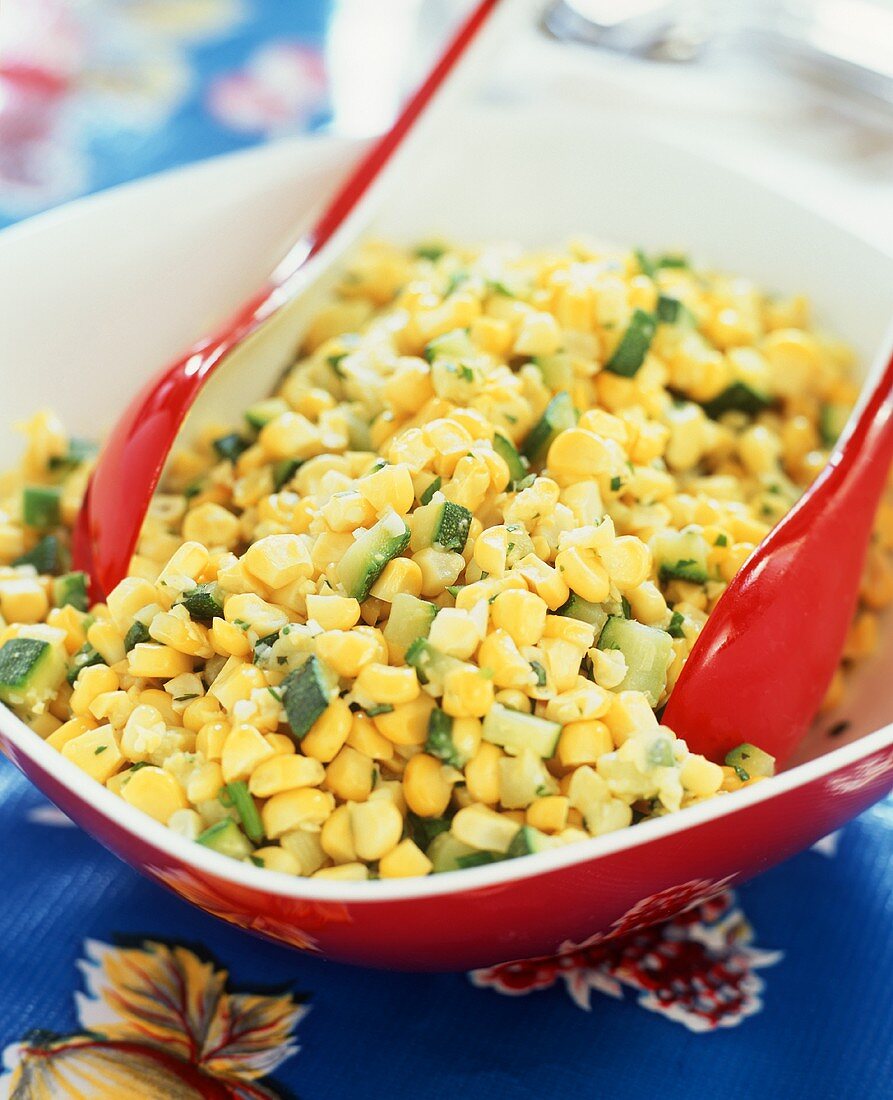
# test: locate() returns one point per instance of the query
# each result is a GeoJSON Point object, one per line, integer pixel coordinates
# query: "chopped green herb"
{"type": "Point", "coordinates": [721, 540]}
{"type": "Point", "coordinates": [230, 446]}
{"type": "Point", "coordinates": [616, 484]}
{"type": "Point", "coordinates": [540, 673]}
{"type": "Point", "coordinates": [627, 610]}
{"type": "Point", "coordinates": [186, 698]}
{"type": "Point", "coordinates": [379, 708]}
{"type": "Point", "coordinates": [676, 622]}
{"type": "Point", "coordinates": [99, 750]}
{"type": "Point", "coordinates": [137, 635]}
{"type": "Point", "coordinates": [335, 361]}
{"type": "Point", "coordinates": [430, 251]}
{"type": "Point", "coordinates": [257, 861]}
{"type": "Point", "coordinates": [240, 798]}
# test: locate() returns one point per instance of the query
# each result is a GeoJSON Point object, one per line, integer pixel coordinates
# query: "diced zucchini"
{"type": "Point", "coordinates": [478, 859]}
{"type": "Point", "coordinates": [681, 555]}
{"type": "Point", "coordinates": [262, 412]}
{"type": "Point", "coordinates": [514, 730]}
{"type": "Point", "coordinates": [46, 557]}
{"type": "Point", "coordinates": [30, 671]}
{"type": "Point", "coordinates": [362, 564]}
{"type": "Point", "coordinates": [454, 345]}
{"type": "Point", "coordinates": [230, 446]}
{"type": "Point", "coordinates": [557, 371]}
{"type": "Point", "coordinates": [71, 589]}
{"type": "Point", "coordinates": [241, 798]}
{"type": "Point", "coordinates": [670, 311]}
{"type": "Point", "coordinates": [647, 651]}
{"type": "Point", "coordinates": [749, 762]}
{"type": "Point", "coordinates": [832, 421]}
{"type": "Point", "coordinates": [41, 506]}
{"type": "Point", "coordinates": [204, 602]}
{"type": "Point", "coordinates": [435, 485]}
{"type": "Point", "coordinates": [79, 450]}
{"type": "Point", "coordinates": [423, 830]}
{"type": "Point", "coordinates": [558, 416]}
{"type": "Point", "coordinates": [410, 619]}
{"type": "Point", "coordinates": [284, 471]}
{"type": "Point", "coordinates": [306, 693]}
{"type": "Point", "coordinates": [445, 851]}
{"type": "Point", "coordinates": [429, 663]}
{"type": "Point", "coordinates": [138, 634]}
{"type": "Point", "coordinates": [629, 355]}
{"type": "Point", "coordinates": [738, 397]}
{"type": "Point", "coordinates": [577, 608]}
{"type": "Point", "coordinates": [506, 451]}
{"type": "Point", "coordinates": [84, 657]}
{"type": "Point", "coordinates": [440, 740]}
{"type": "Point", "coordinates": [226, 838]}
{"type": "Point", "coordinates": [441, 524]}
{"type": "Point", "coordinates": [528, 840]}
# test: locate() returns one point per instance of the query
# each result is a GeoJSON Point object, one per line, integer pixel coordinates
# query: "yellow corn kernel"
{"type": "Point", "coordinates": [467, 692]}
{"type": "Point", "coordinates": [96, 752]}
{"type": "Point", "coordinates": [237, 684]}
{"type": "Point", "coordinates": [344, 872]}
{"type": "Point", "coordinates": [440, 569]}
{"type": "Point", "coordinates": [365, 738]}
{"type": "Point", "coordinates": [151, 661]}
{"type": "Point", "coordinates": [389, 487]}
{"type": "Point", "coordinates": [107, 641]}
{"type": "Point", "coordinates": [521, 614]}
{"type": "Point", "coordinates": [584, 573]}
{"type": "Point", "coordinates": [573, 631]}
{"type": "Point", "coordinates": [285, 772]}
{"type": "Point", "coordinates": [699, 776]}
{"type": "Point", "coordinates": [72, 623]}
{"type": "Point", "coordinates": [549, 814]}
{"type": "Point", "coordinates": [482, 774]}
{"type": "Point", "coordinates": [200, 712]}
{"type": "Point", "coordinates": [336, 837]}
{"type": "Point", "coordinates": [155, 792]}
{"type": "Point", "coordinates": [328, 733]}
{"type": "Point", "coordinates": [425, 787]}
{"type": "Point", "coordinates": [491, 551]}
{"type": "Point", "coordinates": [333, 612]}
{"type": "Point", "coordinates": [577, 454]}
{"type": "Point", "coordinates": [628, 562]}
{"type": "Point", "coordinates": [405, 861]}
{"type": "Point", "coordinates": [262, 617]}
{"type": "Point", "coordinates": [228, 640]}
{"type": "Point", "coordinates": [290, 435]}
{"type": "Point", "coordinates": [350, 775]}
{"type": "Point", "coordinates": [500, 656]}
{"type": "Point", "coordinates": [205, 784]}
{"type": "Point", "coordinates": [399, 575]}
{"type": "Point", "coordinates": [162, 702]}
{"type": "Point", "coordinates": [546, 582]}
{"type": "Point", "coordinates": [187, 561]}
{"type": "Point", "coordinates": [347, 652]}
{"type": "Point", "coordinates": [278, 859]}
{"type": "Point", "coordinates": [23, 600]}
{"type": "Point", "coordinates": [306, 807]}
{"type": "Point", "coordinates": [92, 681]}
{"type": "Point", "coordinates": [377, 827]}
{"type": "Point", "coordinates": [630, 713]}
{"type": "Point", "coordinates": [69, 730]}
{"type": "Point", "coordinates": [277, 560]}
{"type": "Point", "coordinates": [482, 828]}
{"type": "Point", "coordinates": [583, 743]}
{"type": "Point", "coordinates": [383, 684]}
{"type": "Point", "coordinates": [211, 525]}
{"type": "Point", "coordinates": [280, 743]}
{"type": "Point", "coordinates": [243, 750]}
{"type": "Point", "coordinates": [407, 724]}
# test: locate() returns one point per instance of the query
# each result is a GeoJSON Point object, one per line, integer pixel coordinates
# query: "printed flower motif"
{"type": "Point", "coordinates": [282, 86]}
{"type": "Point", "coordinates": [157, 1023]}
{"type": "Point", "coordinates": [288, 920]}
{"type": "Point", "coordinates": [865, 774]}
{"type": "Point", "coordinates": [697, 969]}
{"type": "Point", "coordinates": [68, 71]}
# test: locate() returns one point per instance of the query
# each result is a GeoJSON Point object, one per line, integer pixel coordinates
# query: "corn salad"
{"type": "Point", "coordinates": [420, 611]}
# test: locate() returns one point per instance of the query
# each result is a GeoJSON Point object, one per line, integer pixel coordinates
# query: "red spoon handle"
{"type": "Point", "coordinates": [134, 455]}
{"type": "Point", "coordinates": [763, 662]}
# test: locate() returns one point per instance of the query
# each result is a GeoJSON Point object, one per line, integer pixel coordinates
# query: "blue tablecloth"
{"type": "Point", "coordinates": [784, 990]}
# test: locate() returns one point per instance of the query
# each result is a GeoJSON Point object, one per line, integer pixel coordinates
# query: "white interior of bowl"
{"type": "Point", "coordinates": [98, 295]}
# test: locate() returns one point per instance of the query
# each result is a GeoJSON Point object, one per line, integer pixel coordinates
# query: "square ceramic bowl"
{"type": "Point", "coordinates": [100, 294]}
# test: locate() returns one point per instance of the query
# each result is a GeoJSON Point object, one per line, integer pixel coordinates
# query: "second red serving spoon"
{"type": "Point", "coordinates": [764, 660]}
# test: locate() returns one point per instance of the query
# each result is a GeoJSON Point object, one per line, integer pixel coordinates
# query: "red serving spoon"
{"type": "Point", "coordinates": [764, 660]}
{"type": "Point", "coordinates": [133, 457]}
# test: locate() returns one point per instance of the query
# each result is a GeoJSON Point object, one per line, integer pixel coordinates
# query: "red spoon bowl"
{"type": "Point", "coordinates": [96, 295]}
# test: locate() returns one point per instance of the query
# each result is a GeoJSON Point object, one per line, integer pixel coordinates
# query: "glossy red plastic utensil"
{"type": "Point", "coordinates": [764, 660]}
{"type": "Point", "coordinates": [114, 506]}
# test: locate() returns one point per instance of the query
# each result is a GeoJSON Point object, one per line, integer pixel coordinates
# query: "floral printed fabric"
{"type": "Point", "coordinates": [780, 990]}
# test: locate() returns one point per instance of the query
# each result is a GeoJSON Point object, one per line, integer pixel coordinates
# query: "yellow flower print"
{"type": "Point", "coordinates": [157, 1023]}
